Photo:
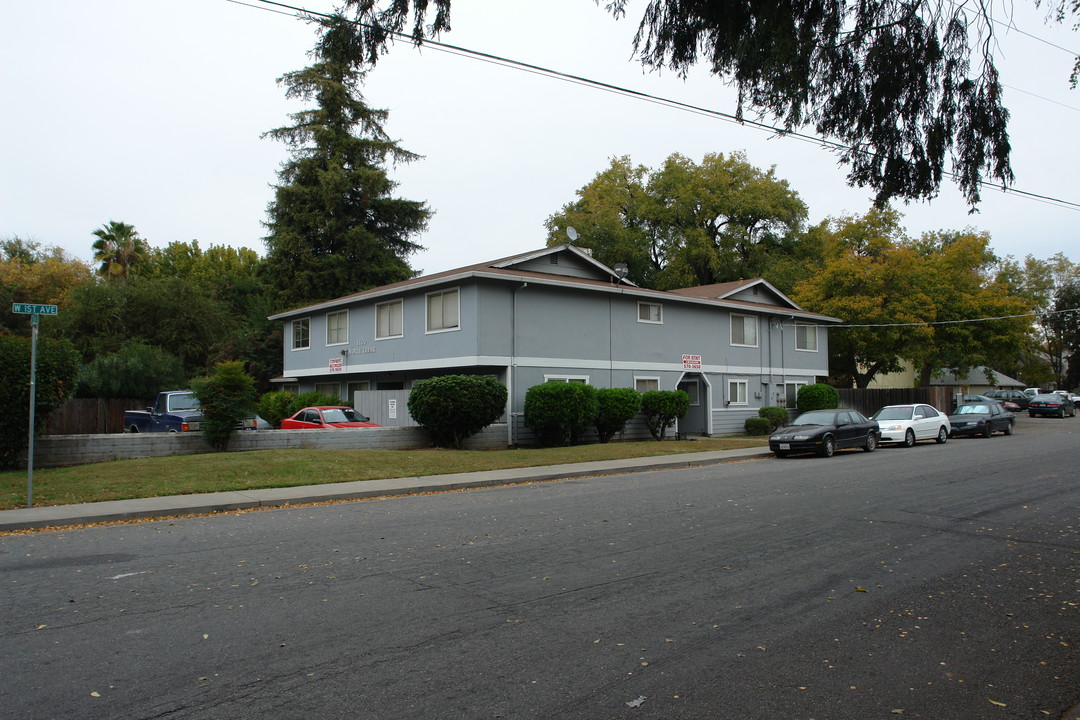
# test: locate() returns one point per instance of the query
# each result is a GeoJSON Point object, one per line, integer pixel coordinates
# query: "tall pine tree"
{"type": "Point", "coordinates": [334, 226]}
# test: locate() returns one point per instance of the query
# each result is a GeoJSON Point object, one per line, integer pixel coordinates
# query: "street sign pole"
{"type": "Point", "coordinates": [33, 399]}
{"type": "Point", "coordinates": [35, 312]}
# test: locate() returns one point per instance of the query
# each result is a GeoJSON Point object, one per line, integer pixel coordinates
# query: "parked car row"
{"type": "Point", "coordinates": [826, 431]}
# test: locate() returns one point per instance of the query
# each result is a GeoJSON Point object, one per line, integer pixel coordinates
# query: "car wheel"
{"type": "Point", "coordinates": [780, 453]}
{"type": "Point", "coordinates": [1009, 428]}
{"type": "Point", "coordinates": [942, 435]}
{"type": "Point", "coordinates": [988, 429]}
{"type": "Point", "coordinates": [828, 447]}
{"type": "Point", "coordinates": [871, 442]}
{"type": "Point", "coordinates": [1031, 414]}
{"type": "Point", "coordinates": [1061, 413]}
{"type": "Point", "coordinates": [133, 429]}
{"type": "Point", "coordinates": [909, 438]}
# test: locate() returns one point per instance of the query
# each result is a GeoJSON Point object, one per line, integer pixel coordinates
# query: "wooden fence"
{"type": "Point", "coordinates": [90, 416]}
{"type": "Point", "coordinates": [868, 401]}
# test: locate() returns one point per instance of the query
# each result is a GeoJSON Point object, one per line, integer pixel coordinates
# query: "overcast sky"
{"type": "Point", "coordinates": [150, 112]}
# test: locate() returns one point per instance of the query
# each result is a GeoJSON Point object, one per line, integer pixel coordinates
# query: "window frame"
{"type": "Point", "coordinates": [646, 378]}
{"type": "Point", "coordinates": [345, 327]}
{"type": "Point", "coordinates": [306, 324]}
{"type": "Point", "coordinates": [811, 331]}
{"type": "Point", "coordinates": [337, 392]}
{"type": "Point", "coordinates": [567, 378]}
{"type": "Point", "coordinates": [659, 312]}
{"type": "Point", "coordinates": [695, 398]}
{"type": "Point", "coordinates": [739, 383]}
{"type": "Point", "coordinates": [401, 319]}
{"type": "Point", "coordinates": [731, 330]}
{"type": "Point", "coordinates": [427, 311]}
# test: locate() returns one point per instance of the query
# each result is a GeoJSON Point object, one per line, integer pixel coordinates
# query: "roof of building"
{"type": "Point", "coordinates": [978, 375]}
{"type": "Point", "coordinates": [603, 279]}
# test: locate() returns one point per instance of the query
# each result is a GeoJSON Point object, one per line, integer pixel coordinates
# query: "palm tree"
{"type": "Point", "coordinates": [118, 248]}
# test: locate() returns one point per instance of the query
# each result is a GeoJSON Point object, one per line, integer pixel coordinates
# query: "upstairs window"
{"type": "Point", "coordinates": [744, 330]}
{"type": "Point", "coordinates": [650, 312]}
{"type": "Point", "coordinates": [442, 311]}
{"type": "Point", "coordinates": [301, 334]}
{"type": "Point", "coordinates": [337, 328]}
{"type": "Point", "coordinates": [388, 320]}
{"type": "Point", "coordinates": [806, 337]}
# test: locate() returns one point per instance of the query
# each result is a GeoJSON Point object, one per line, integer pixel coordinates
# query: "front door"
{"type": "Point", "coordinates": [694, 422]}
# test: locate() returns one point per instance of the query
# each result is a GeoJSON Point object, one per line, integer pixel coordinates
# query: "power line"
{"type": "Point", "coordinates": [960, 322]}
{"type": "Point", "coordinates": [648, 97]}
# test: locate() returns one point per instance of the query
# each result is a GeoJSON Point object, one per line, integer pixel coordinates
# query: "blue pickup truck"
{"type": "Point", "coordinates": [173, 411]}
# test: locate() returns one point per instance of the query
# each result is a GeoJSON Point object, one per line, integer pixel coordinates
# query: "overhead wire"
{"type": "Point", "coordinates": [648, 97]}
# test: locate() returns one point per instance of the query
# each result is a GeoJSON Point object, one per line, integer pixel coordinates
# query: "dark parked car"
{"type": "Point", "coordinates": [1017, 397]}
{"type": "Point", "coordinates": [327, 416]}
{"type": "Point", "coordinates": [1051, 404]}
{"type": "Point", "coordinates": [982, 419]}
{"type": "Point", "coordinates": [825, 432]}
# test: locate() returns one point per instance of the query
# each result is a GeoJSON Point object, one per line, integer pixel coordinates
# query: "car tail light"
{"type": "Point", "coordinates": [184, 427]}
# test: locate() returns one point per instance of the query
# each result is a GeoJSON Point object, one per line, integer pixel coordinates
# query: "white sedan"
{"type": "Point", "coordinates": [907, 424]}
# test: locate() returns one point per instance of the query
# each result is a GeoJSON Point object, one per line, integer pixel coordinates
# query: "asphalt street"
{"type": "Point", "coordinates": [939, 581]}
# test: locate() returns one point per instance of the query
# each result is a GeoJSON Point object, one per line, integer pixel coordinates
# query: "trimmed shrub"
{"type": "Point", "coordinates": [274, 406]}
{"type": "Point", "coordinates": [453, 407]}
{"type": "Point", "coordinates": [313, 399]}
{"type": "Point", "coordinates": [226, 397]}
{"type": "Point", "coordinates": [776, 416]}
{"type": "Point", "coordinates": [757, 426]}
{"type": "Point", "coordinates": [559, 413]}
{"type": "Point", "coordinates": [54, 382]}
{"type": "Point", "coordinates": [615, 408]}
{"type": "Point", "coordinates": [817, 397]}
{"type": "Point", "coordinates": [662, 408]}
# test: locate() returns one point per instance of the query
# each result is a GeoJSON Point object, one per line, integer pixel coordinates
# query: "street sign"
{"type": "Point", "coordinates": [31, 309]}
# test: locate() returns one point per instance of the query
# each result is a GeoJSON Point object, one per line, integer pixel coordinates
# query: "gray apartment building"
{"type": "Point", "coordinates": [558, 314]}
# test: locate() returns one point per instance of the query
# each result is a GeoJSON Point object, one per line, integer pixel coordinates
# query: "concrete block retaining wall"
{"type": "Point", "coordinates": [60, 450]}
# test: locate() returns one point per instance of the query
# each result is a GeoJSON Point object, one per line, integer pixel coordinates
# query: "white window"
{"type": "Point", "coordinates": [301, 334]}
{"type": "Point", "coordinates": [646, 384]}
{"type": "Point", "coordinates": [442, 311]}
{"type": "Point", "coordinates": [388, 320]}
{"type": "Point", "coordinates": [736, 392]}
{"type": "Point", "coordinates": [584, 379]}
{"type": "Point", "coordinates": [806, 337]}
{"type": "Point", "coordinates": [744, 330]}
{"type": "Point", "coordinates": [337, 328]}
{"type": "Point", "coordinates": [791, 393]}
{"type": "Point", "coordinates": [650, 312]}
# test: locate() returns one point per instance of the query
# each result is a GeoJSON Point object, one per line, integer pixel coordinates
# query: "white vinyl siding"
{"type": "Point", "coordinates": [806, 337]}
{"type": "Point", "coordinates": [442, 311]}
{"type": "Point", "coordinates": [744, 330]}
{"type": "Point", "coordinates": [388, 320]}
{"type": "Point", "coordinates": [337, 328]}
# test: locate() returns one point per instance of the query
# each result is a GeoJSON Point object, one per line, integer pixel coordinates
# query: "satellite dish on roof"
{"type": "Point", "coordinates": [572, 234]}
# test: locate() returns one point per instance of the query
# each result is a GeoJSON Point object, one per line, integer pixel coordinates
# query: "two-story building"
{"type": "Point", "coordinates": [558, 314]}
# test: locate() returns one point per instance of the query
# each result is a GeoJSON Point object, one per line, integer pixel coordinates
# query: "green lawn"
{"type": "Point", "coordinates": [151, 477]}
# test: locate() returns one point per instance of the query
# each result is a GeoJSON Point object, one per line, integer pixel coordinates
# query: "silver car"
{"type": "Point", "coordinates": [907, 424]}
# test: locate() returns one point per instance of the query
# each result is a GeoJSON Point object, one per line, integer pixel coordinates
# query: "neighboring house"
{"type": "Point", "coordinates": [977, 381]}
{"type": "Point", "coordinates": [558, 314]}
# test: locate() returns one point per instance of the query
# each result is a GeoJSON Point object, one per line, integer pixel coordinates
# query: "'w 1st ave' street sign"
{"type": "Point", "coordinates": [31, 309]}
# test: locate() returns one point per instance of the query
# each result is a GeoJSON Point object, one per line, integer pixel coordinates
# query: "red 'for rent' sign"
{"type": "Point", "coordinates": [691, 362]}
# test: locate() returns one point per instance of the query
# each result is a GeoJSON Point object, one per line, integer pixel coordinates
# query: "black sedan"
{"type": "Point", "coordinates": [1051, 404]}
{"type": "Point", "coordinates": [981, 419]}
{"type": "Point", "coordinates": [824, 432]}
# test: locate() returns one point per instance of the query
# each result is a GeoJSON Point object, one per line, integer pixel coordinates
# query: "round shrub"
{"type": "Point", "coordinates": [226, 397]}
{"type": "Point", "coordinates": [313, 399]}
{"type": "Point", "coordinates": [274, 406]}
{"type": "Point", "coordinates": [559, 413]}
{"type": "Point", "coordinates": [757, 426]}
{"type": "Point", "coordinates": [817, 397]}
{"type": "Point", "coordinates": [615, 408]}
{"type": "Point", "coordinates": [662, 408]}
{"type": "Point", "coordinates": [453, 407]}
{"type": "Point", "coordinates": [776, 416]}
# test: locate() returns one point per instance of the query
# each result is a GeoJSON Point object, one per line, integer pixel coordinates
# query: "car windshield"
{"type": "Point", "coordinates": [816, 417]}
{"type": "Point", "coordinates": [339, 415]}
{"type": "Point", "coordinates": [972, 409]}
{"type": "Point", "coordinates": [894, 413]}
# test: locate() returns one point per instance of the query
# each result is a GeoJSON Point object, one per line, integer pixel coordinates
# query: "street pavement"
{"type": "Point", "coordinates": [204, 503]}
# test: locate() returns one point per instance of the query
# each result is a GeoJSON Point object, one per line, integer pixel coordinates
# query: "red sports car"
{"type": "Point", "coordinates": [326, 417]}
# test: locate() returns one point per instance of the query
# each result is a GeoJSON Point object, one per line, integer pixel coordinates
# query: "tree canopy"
{"type": "Point", "coordinates": [685, 223]}
{"type": "Point", "coordinates": [903, 86]}
{"type": "Point", "coordinates": [335, 227]}
{"type": "Point", "coordinates": [119, 249]}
